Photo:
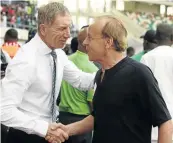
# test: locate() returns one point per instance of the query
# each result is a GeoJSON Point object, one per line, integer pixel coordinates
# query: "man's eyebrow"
{"type": "Point", "coordinates": [63, 26]}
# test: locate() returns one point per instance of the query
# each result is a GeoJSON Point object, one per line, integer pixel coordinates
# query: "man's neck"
{"type": "Point", "coordinates": [112, 59]}
{"type": "Point", "coordinates": [11, 41]}
{"type": "Point", "coordinates": [164, 44]}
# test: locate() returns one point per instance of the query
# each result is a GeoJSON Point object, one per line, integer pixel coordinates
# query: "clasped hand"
{"type": "Point", "coordinates": [57, 133]}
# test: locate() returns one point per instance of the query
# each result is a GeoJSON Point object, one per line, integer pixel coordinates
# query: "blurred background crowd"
{"type": "Point", "coordinates": [137, 15]}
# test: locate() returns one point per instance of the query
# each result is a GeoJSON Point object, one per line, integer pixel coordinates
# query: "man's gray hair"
{"type": "Point", "coordinates": [47, 13]}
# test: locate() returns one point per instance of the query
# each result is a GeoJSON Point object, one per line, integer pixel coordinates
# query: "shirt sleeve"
{"type": "Point", "coordinates": [77, 78]}
{"type": "Point", "coordinates": [151, 98]}
{"type": "Point", "coordinates": [19, 77]}
{"type": "Point", "coordinates": [144, 60]}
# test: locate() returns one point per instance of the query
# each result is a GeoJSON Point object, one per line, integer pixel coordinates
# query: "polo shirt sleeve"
{"type": "Point", "coordinates": [151, 97]}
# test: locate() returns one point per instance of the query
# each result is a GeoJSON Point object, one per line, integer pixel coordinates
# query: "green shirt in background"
{"type": "Point", "coordinates": [74, 100]}
{"type": "Point", "coordinates": [138, 56]}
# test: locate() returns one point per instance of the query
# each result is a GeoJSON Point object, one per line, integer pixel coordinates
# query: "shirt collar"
{"type": "Point", "coordinates": [43, 48]}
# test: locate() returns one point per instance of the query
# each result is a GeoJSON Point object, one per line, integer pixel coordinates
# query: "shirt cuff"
{"type": "Point", "coordinates": [41, 128]}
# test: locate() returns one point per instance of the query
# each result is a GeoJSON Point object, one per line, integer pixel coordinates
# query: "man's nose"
{"type": "Point", "coordinates": [85, 42]}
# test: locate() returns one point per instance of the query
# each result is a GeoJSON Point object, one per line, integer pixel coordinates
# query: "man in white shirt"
{"type": "Point", "coordinates": [33, 79]}
{"type": "Point", "coordinates": [160, 61]}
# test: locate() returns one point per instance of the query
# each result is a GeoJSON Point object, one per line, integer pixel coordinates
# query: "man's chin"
{"type": "Point", "coordinates": [91, 59]}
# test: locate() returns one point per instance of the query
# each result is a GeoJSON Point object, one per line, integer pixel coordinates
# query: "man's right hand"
{"type": "Point", "coordinates": [56, 133]}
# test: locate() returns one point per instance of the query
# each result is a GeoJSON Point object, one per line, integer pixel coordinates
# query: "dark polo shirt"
{"type": "Point", "coordinates": [127, 103]}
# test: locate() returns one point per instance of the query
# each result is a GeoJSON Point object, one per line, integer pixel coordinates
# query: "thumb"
{"type": "Point", "coordinates": [56, 126]}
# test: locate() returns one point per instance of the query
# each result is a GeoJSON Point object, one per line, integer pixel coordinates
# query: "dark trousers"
{"type": "Point", "coordinates": [17, 136]}
{"type": "Point", "coordinates": [67, 118]}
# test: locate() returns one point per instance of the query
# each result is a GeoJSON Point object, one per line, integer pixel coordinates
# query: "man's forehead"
{"type": "Point", "coordinates": [97, 27]}
{"type": "Point", "coordinates": [63, 20]}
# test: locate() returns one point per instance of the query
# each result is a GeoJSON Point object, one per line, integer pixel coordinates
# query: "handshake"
{"type": "Point", "coordinates": [57, 133]}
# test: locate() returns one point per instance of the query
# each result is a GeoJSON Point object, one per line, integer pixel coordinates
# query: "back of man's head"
{"type": "Point", "coordinates": [130, 51]}
{"type": "Point", "coordinates": [164, 34]}
{"type": "Point", "coordinates": [81, 37]}
{"type": "Point", "coordinates": [11, 36]}
{"type": "Point", "coordinates": [149, 40]}
{"type": "Point", "coordinates": [74, 44]}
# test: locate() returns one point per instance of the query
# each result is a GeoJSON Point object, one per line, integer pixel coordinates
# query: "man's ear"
{"type": "Point", "coordinates": [42, 29]}
{"type": "Point", "coordinates": [109, 42]}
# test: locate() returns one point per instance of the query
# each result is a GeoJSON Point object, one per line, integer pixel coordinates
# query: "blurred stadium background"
{"type": "Point", "coordinates": [137, 15]}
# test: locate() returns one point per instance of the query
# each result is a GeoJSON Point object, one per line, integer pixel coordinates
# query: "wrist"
{"type": "Point", "coordinates": [70, 131]}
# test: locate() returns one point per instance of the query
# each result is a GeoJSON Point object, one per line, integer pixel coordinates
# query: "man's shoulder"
{"type": "Point", "coordinates": [26, 54]}
{"type": "Point", "coordinates": [139, 68]}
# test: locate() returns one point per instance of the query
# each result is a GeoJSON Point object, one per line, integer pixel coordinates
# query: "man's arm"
{"type": "Point", "coordinates": [77, 78]}
{"type": "Point", "coordinates": [166, 132]}
{"type": "Point", "coordinates": [81, 127]}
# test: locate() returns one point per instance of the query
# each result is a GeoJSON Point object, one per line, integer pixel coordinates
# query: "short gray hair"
{"type": "Point", "coordinates": [47, 13]}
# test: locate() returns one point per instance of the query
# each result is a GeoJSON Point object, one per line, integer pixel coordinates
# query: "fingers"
{"type": "Point", "coordinates": [55, 126]}
{"type": "Point", "coordinates": [53, 140]}
{"type": "Point", "coordinates": [62, 135]}
{"type": "Point", "coordinates": [57, 135]}
{"type": "Point", "coordinates": [50, 139]}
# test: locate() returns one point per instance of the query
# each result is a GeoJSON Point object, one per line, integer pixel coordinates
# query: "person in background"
{"type": "Point", "coordinates": [127, 100]}
{"type": "Point", "coordinates": [4, 20]}
{"type": "Point", "coordinates": [160, 61]}
{"type": "Point", "coordinates": [11, 45]}
{"type": "Point", "coordinates": [66, 49]}
{"type": "Point", "coordinates": [5, 59]}
{"type": "Point", "coordinates": [74, 44]}
{"type": "Point", "coordinates": [130, 51]}
{"type": "Point", "coordinates": [75, 104]}
{"type": "Point", "coordinates": [13, 21]}
{"type": "Point", "coordinates": [149, 43]}
{"type": "Point", "coordinates": [31, 34]}
{"type": "Point", "coordinates": [18, 21]}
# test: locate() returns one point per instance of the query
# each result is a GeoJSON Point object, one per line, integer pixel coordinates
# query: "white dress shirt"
{"type": "Point", "coordinates": [160, 61]}
{"type": "Point", "coordinates": [26, 90]}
